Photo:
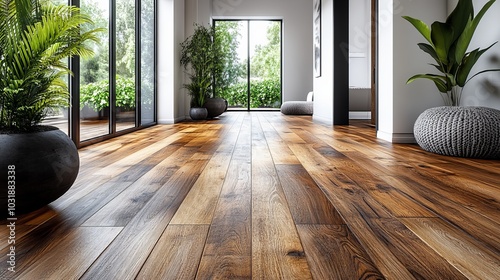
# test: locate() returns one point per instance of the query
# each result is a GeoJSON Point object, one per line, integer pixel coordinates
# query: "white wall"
{"type": "Point", "coordinates": [484, 90]}
{"type": "Point", "coordinates": [170, 33]}
{"type": "Point", "coordinates": [400, 58]}
{"type": "Point", "coordinates": [323, 86]}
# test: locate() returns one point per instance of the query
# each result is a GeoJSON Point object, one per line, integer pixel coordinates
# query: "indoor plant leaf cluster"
{"type": "Point", "coordinates": [447, 44]}
{"type": "Point", "coordinates": [35, 38]}
{"type": "Point", "coordinates": [198, 53]}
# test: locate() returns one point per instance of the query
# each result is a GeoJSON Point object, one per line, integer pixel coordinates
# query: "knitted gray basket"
{"type": "Point", "coordinates": [460, 131]}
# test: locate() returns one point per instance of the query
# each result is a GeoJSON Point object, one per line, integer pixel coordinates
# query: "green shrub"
{"type": "Point", "coordinates": [96, 95]}
{"type": "Point", "coordinates": [263, 94]}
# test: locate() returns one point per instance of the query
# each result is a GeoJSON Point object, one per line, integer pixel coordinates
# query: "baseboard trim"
{"type": "Point", "coordinates": [401, 138]}
{"type": "Point", "coordinates": [172, 121]}
{"type": "Point", "coordinates": [360, 115]}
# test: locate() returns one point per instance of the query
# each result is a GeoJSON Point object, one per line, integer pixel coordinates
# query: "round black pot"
{"type": "Point", "coordinates": [215, 106]}
{"type": "Point", "coordinates": [43, 166]}
{"type": "Point", "coordinates": [197, 113]}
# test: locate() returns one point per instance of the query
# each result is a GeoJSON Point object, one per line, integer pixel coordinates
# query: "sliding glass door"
{"type": "Point", "coordinates": [115, 89]}
{"type": "Point", "coordinates": [252, 58]}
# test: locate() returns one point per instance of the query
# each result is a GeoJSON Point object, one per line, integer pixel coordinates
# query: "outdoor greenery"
{"type": "Point", "coordinates": [96, 95]}
{"type": "Point", "coordinates": [35, 37]}
{"type": "Point", "coordinates": [265, 69]}
{"type": "Point", "coordinates": [447, 44]}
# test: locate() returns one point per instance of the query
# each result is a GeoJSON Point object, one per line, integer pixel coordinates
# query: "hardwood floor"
{"type": "Point", "coordinates": [265, 196]}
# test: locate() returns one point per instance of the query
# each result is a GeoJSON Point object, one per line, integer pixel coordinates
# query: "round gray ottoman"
{"type": "Point", "coordinates": [460, 131]}
{"type": "Point", "coordinates": [297, 108]}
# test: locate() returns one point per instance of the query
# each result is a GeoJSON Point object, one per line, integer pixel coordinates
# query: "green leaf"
{"type": "Point", "coordinates": [421, 26]}
{"type": "Point", "coordinates": [430, 50]}
{"type": "Point", "coordinates": [468, 63]}
{"type": "Point", "coordinates": [466, 37]}
{"type": "Point", "coordinates": [459, 17]}
{"type": "Point", "coordinates": [442, 36]}
{"type": "Point", "coordinates": [439, 81]}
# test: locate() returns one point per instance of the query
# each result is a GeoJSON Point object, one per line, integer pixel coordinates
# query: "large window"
{"type": "Point", "coordinates": [114, 91]}
{"type": "Point", "coordinates": [253, 63]}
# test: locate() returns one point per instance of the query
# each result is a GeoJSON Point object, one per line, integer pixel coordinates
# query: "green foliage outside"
{"type": "Point", "coordinates": [96, 95]}
{"type": "Point", "coordinates": [263, 94]}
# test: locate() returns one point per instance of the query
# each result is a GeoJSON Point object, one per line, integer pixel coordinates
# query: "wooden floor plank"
{"type": "Point", "coordinates": [69, 257]}
{"type": "Point", "coordinates": [177, 253]}
{"type": "Point", "coordinates": [228, 250]}
{"type": "Point", "coordinates": [463, 253]}
{"type": "Point", "coordinates": [276, 249]}
{"type": "Point", "coordinates": [333, 253]}
{"type": "Point", "coordinates": [307, 202]}
{"type": "Point", "coordinates": [125, 256]}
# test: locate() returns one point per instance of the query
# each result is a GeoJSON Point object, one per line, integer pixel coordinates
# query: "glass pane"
{"type": "Point", "coordinates": [265, 64]}
{"type": "Point", "coordinates": [233, 86]}
{"type": "Point", "coordinates": [94, 76]}
{"type": "Point", "coordinates": [125, 64]}
{"type": "Point", "coordinates": [147, 61]}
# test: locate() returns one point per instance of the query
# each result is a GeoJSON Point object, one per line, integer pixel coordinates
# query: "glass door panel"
{"type": "Point", "coordinates": [233, 85]}
{"type": "Point", "coordinates": [94, 77]}
{"type": "Point", "coordinates": [147, 62]}
{"type": "Point", "coordinates": [265, 64]}
{"type": "Point", "coordinates": [125, 65]}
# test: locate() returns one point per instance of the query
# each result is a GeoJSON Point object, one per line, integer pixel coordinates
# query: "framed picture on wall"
{"type": "Point", "coordinates": [317, 37]}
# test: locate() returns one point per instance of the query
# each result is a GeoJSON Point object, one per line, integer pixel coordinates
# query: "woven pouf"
{"type": "Point", "coordinates": [472, 132]}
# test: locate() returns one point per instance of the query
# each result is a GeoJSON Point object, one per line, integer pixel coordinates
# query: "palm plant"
{"type": "Point", "coordinates": [35, 37]}
{"type": "Point", "coordinates": [447, 44]}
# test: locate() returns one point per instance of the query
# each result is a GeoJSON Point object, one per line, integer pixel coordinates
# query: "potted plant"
{"type": "Point", "coordinates": [34, 40]}
{"type": "Point", "coordinates": [454, 130]}
{"type": "Point", "coordinates": [199, 59]}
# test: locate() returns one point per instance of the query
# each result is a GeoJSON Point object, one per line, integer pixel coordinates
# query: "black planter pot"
{"type": "Point", "coordinates": [215, 106]}
{"type": "Point", "coordinates": [197, 113]}
{"type": "Point", "coordinates": [44, 165]}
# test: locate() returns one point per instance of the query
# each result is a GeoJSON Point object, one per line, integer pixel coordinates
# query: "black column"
{"type": "Point", "coordinates": [340, 62]}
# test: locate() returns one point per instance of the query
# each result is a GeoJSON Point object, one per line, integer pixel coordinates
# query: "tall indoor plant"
{"type": "Point", "coordinates": [456, 131]}
{"type": "Point", "coordinates": [35, 37]}
{"type": "Point", "coordinates": [199, 57]}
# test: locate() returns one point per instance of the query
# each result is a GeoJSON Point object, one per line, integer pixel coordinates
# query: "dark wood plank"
{"type": "Point", "coordinates": [333, 253]}
{"type": "Point", "coordinates": [306, 201]}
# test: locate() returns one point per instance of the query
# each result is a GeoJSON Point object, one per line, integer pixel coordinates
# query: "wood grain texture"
{"type": "Point", "coordinates": [262, 195]}
{"type": "Point", "coordinates": [470, 257]}
{"type": "Point", "coordinates": [177, 253]}
{"type": "Point", "coordinates": [333, 253]}
{"type": "Point", "coordinates": [276, 248]}
{"type": "Point", "coordinates": [307, 203]}
{"type": "Point", "coordinates": [82, 246]}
